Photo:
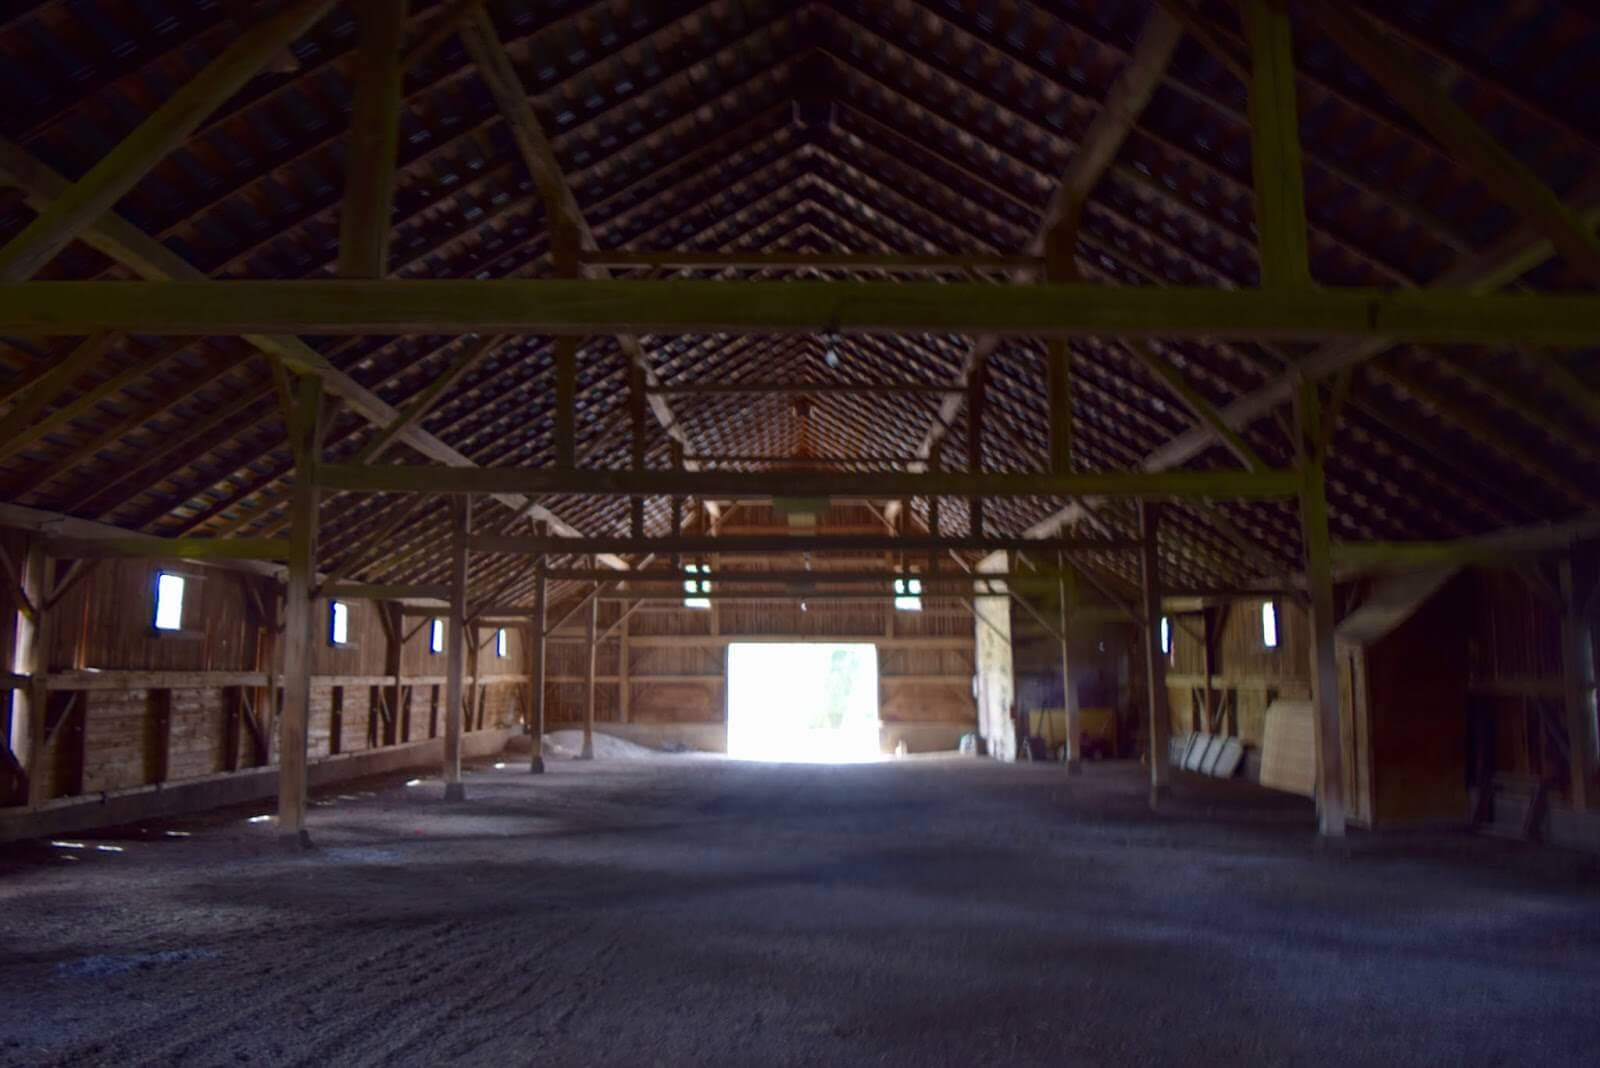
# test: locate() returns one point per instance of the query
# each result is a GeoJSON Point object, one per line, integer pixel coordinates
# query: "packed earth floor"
{"type": "Point", "coordinates": [688, 910]}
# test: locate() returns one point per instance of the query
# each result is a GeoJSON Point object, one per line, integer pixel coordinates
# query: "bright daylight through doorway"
{"type": "Point", "coordinates": [808, 702]}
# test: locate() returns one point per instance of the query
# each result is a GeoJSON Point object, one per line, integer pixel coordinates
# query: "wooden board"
{"type": "Point", "coordinates": [1289, 748]}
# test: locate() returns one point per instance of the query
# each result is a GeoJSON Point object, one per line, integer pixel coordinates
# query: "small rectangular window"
{"type": "Point", "coordinates": [1269, 625]}
{"type": "Point", "coordinates": [908, 595]}
{"type": "Point", "coordinates": [169, 601]}
{"type": "Point", "coordinates": [500, 642]}
{"type": "Point", "coordinates": [696, 589]}
{"type": "Point", "coordinates": [339, 623]}
{"type": "Point", "coordinates": [1166, 635]}
{"type": "Point", "coordinates": [436, 636]}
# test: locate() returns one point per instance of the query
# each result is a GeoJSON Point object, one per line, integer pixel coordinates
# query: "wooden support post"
{"type": "Point", "coordinates": [393, 658]}
{"type": "Point", "coordinates": [566, 402]}
{"type": "Point", "coordinates": [455, 648]}
{"type": "Point", "coordinates": [975, 383]}
{"type": "Point", "coordinates": [1071, 716]}
{"type": "Point", "coordinates": [636, 406]}
{"type": "Point", "coordinates": [1058, 353]}
{"type": "Point", "coordinates": [1279, 176]}
{"type": "Point", "coordinates": [1578, 679]}
{"type": "Point", "coordinates": [1155, 661]}
{"type": "Point", "coordinates": [536, 649]}
{"type": "Point", "coordinates": [167, 128]}
{"type": "Point", "coordinates": [365, 218]}
{"type": "Point", "coordinates": [29, 657]}
{"type": "Point", "coordinates": [1319, 584]}
{"type": "Point", "coordinates": [299, 628]}
{"type": "Point", "coordinates": [624, 686]}
{"type": "Point", "coordinates": [1208, 639]}
{"type": "Point", "coordinates": [588, 706]}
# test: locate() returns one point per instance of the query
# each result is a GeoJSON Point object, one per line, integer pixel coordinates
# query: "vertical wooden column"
{"type": "Point", "coordinates": [588, 704]}
{"type": "Point", "coordinates": [1072, 718]}
{"type": "Point", "coordinates": [365, 220]}
{"type": "Point", "coordinates": [394, 633]}
{"type": "Point", "coordinates": [1278, 174]}
{"type": "Point", "coordinates": [975, 383]}
{"type": "Point", "coordinates": [455, 648]}
{"type": "Point", "coordinates": [1319, 583]}
{"type": "Point", "coordinates": [636, 405]}
{"type": "Point", "coordinates": [30, 657]}
{"type": "Point", "coordinates": [536, 648]}
{"type": "Point", "coordinates": [1578, 679]}
{"type": "Point", "coordinates": [299, 626]}
{"type": "Point", "coordinates": [1155, 661]}
{"type": "Point", "coordinates": [624, 687]}
{"type": "Point", "coordinates": [1058, 246]}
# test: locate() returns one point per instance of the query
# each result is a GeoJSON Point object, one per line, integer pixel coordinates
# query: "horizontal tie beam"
{"type": "Point", "coordinates": [396, 478]}
{"type": "Point", "coordinates": [580, 307]}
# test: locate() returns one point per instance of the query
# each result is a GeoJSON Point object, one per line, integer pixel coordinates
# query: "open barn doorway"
{"type": "Point", "coordinates": [803, 701]}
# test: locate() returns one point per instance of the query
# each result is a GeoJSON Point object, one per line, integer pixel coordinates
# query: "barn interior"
{"type": "Point", "coordinates": [1109, 489]}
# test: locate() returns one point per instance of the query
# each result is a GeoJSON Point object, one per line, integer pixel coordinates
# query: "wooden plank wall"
{"type": "Point", "coordinates": [136, 707]}
{"type": "Point", "coordinates": [1246, 673]}
{"type": "Point", "coordinates": [675, 662]}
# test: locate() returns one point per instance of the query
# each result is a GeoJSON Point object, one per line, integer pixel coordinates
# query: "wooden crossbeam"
{"type": "Point", "coordinates": [1477, 275]}
{"type": "Point", "coordinates": [775, 544]}
{"type": "Point", "coordinates": [148, 258]}
{"type": "Point", "coordinates": [378, 591]}
{"type": "Point", "coordinates": [561, 206]}
{"type": "Point", "coordinates": [170, 125]}
{"type": "Point", "coordinates": [1254, 485]}
{"type": "Point", "coordinates": [1093, 156]}
{"type": "Point", "coordinates": [695, 389]}
{"type": "Point", "coordinates": [154, 548]}
{"type": "Point", "coordinates": [554, 306]}
{"type": "Point", "coordinates": [365, 217]}
{"type": "Point", "coordinates": [1370, 45]}
{"type": "Point", "coordinates": [851, 261]}
{"type": "Point", "coordinates": [57, 379]}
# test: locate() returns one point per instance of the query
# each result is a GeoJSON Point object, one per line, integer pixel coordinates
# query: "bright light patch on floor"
{"type": "Point", "coordinates": [804, 702]}
{"type": "Point", "coordinates": [109, 849]}
{"type": "Point", "coordinates": [500, 765]}
{"type": "Point", "coordinates": [413, 782]}
{"type": "Point", "coordinates": [263, 818]}
{"type": "Point", "coordinates": [68, 845]}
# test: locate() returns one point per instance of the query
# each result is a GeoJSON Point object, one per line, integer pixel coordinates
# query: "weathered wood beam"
{"type": "Point", "coordinates": [300, 626]}
{"type": "Point", "coordinates": [560, 307]}
{"type": "Point", "coordinates": [852, 261]}
{"type": "Point", "coordinates": [1155, 660]}
{"type": "Point", "coordinates": [1319, 581]}
{"type": "Point", "coordinates": [591, 621]}
{"type": "Point", "coordinates": [55, 381]}
{"type": "Point", "coordinates": [170, 125]}
{"type": "Point", "coordinates": [365, 219]}
{"type": "Point", "coordinates": [564, 215]}
{"type": "Point", "coordinates": [455, 642]}
{"type": "Point", "coordinates": [775, 544]}
{"type": "Point", "coordinates": [155, 548]}
{"type": "Point", "coordinates": [1197, 405]}
{"type": "Point", "coordinates": [413, 413]}
{"type": "Point", "coordinates": [148, 258]}
{"type": "Point", "coordinates": [695, 389]}
{"type": "Point", "coordinates": [1503, 548]}
{"type": "Point", "coordinates": [1094, 155]}
{"type": "Point", "coordinates": [1481, 273]}
{"type": "Point", "coordinates": [479, 480]}
{"type": "Point", "coordinates": [380, 591]}
{"type": "Point", "coordinates": [1404, 79]}
{"type": "Point", "coordinates": [536, 665]}
{"type": "Point", "coordinates": [1278, 173]}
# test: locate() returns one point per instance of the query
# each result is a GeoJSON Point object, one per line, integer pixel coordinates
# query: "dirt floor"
{"type": "Point", "coordinates": [692, 910]}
